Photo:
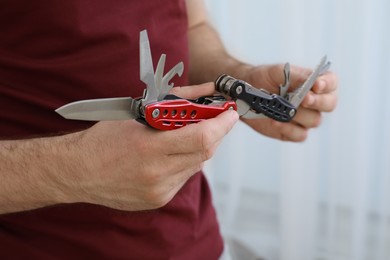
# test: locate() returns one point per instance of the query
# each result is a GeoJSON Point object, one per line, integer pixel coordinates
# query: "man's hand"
{"type": "Point", "coordinates": [119, 164]}
{"type": "Point", "coordinates": [134, 167]}
{"type": "Point", "coordinates": [322, 98]}
{"type": "Point", "coordinates": [209, 59]}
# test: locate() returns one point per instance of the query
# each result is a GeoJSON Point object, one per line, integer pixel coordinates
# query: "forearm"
{"type": "Point", "coordinates": [33, 171]}
{"type": "Point", "coordinates": [208, 57]}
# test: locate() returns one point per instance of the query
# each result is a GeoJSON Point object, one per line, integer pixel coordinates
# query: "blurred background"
{"type": "Point", "coordinates": [329, 197]}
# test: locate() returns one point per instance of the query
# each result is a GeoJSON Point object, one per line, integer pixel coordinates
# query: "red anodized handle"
{"type": "Point", "coordinates": [174, 114]}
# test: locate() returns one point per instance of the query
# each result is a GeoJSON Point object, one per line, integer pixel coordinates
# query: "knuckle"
{"type": "Point", "coordinates": [295, 139]}
{"type": "Point", "coordinates": [301, 136]}
{"type": "Point", "coordinates": [157, 197]}
{"type": "Point", "coordinates": [294, 134]}
{"type": "Point", "coordinates": [208, 154]}
{"type": "Point", "coordinates": [151, 175]}
{"type": "Point", "coordinates": [318, 120]}
{"type": "Point", "coordinates": [198, 168]}
{"type": "Point", "coordinates": [278, 125]}
{"type": "Point", "coordinates": [194, 169]}
{"type": "Point", "coordinates": [333, 103]}
{"type": "Point", "coordinates": [277, 67]}
{"type": "Point", "coordinates": [176, 90]}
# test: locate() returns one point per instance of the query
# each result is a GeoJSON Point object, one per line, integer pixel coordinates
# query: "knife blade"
{"type": "Point", "coordinates": [101, 109]}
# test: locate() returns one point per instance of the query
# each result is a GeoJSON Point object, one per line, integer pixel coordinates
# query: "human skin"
{"type": "Point", "coordinates": [128, 166]}
{"type": "Point", "coordinates": [215, 60]}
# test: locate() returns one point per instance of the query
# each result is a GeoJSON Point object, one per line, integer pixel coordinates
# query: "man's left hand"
{"type": "Point", "coordinates": [321, 98]}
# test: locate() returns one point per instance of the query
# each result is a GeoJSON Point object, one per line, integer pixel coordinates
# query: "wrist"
{"type": "Point", "coordinates": [55, 166]}
{"type": "Point", "coordinates": [70, 165]}
{"type": "Point", "coordinates": [38, 172]}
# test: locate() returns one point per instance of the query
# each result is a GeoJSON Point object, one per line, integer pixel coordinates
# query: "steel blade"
{"type": "Point", "coordinates": [244, 111]}
{"type": "Point", "coordinates": [146, 69]}
{"type": "Point", "coordinates": [299, 94]}
{"type": "Point", "coordinates": [283, 89]}
{"type": "Point", "coordinates": [158, 76]}
{"type": "Point", "coordinates": [101, 109]}
{"type": "Point", "coordinates": [165, 86]}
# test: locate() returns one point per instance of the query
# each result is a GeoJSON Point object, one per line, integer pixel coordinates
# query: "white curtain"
{"type": "Point", "coordinates": [329, 197]}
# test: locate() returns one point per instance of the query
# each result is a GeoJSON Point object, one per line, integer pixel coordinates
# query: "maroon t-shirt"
{"type": "Point", "coordinates": [55, 52]}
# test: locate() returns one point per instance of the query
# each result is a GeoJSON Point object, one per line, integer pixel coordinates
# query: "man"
{"type": "Point", "coordinates": [116, 189]}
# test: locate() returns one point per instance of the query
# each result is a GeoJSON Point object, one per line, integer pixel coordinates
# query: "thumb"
{"type": "Point", "coordinates": [195, 91]}
{"type": "Point", "coordinates": [197, 137]}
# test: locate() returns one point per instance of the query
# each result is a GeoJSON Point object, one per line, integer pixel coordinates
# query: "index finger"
{"type": "Point", "coordinates": [195, 91]}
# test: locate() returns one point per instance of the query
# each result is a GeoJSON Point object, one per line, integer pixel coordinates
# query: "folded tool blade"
{"type": "Point", "coordinates": [101, 109]}
{"type": "Point", "coordinates": [299, 94]}
{"type": "Point", "coordinates": [145, 109]}
{"type": "Point", "coordinates": [147, 70]}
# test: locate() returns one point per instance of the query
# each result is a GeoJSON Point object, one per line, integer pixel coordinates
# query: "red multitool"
{"type": "Point", "coordinates": [156, 108]}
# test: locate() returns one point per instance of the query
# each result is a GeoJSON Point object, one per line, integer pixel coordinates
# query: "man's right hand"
{"type": "Point", "coordinates": [119, 164]}
{"type": "Point", "coordinates": [130, 166]}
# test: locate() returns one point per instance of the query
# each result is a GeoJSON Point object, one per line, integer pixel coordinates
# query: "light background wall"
{"type": "Point", "coordinates": [329, 197]}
